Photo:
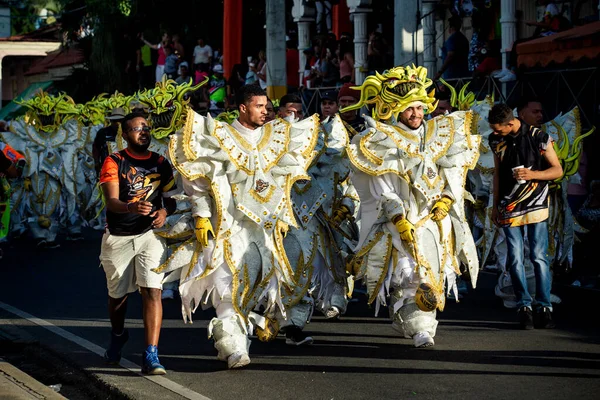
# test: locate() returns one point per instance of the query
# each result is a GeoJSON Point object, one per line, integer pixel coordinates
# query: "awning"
{"type": "Point", "coordinates": [582, 42]}
{"type": "Point", "coordinates": [13, 110]}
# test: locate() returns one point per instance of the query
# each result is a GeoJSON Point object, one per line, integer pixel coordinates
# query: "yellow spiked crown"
{"type": "Point", "coordinates": [382, 92]}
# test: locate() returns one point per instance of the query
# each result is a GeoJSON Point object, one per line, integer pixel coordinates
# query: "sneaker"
{"type": "Point", "coordinates": [151, 364]}
{"type": "Point", "coordinates": [525, 318]}
{"type": "Point", "coordinates": [543, 319]}
{"type": "Point", "coordinates": [423, 340]}
{"type": "Point", "coordinates": [238, 360]}
{"type": "Point", "coordinates": [168, 294]}
{"type": "Point", "coordinates": [332, 312]}
{"type": "Point", "coordinates": [112, 355]}
{"type": "Point", "coordinates": [295, 337]}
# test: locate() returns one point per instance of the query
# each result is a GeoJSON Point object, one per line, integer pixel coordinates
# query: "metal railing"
{"type": "Point", "coordinates": [559, 90]}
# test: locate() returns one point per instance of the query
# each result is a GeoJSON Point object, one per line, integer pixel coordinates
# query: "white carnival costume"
{"type": "Point", "coordinates": [326, 227]}
{"type": "Point", "coordinates": [239, 181]}
{"type": "Point", "coordinates": [48, 140]}
{"type": "Point", "coordinates": [404, 177]}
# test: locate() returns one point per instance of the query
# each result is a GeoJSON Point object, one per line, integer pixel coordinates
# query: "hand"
{"type": "Point", "coordinates": [437, 76]}
{"type": "Point", "coordinates": [495, 216]}
{"type": "Point", "coordinates": [27, 184]}
{"type": "Point", "coordinates": [202, 229]}
{"type": "Point", "coordinates": [340, 213]}
{"type": "Point", "coordinates": [160, 217]}
{"type": "Point", "coordinates": [440, 208]}
{"type": "Point", "coordinates": [406, 229]}
{"type": "Point", "coordinates": [140, 207]}
{"type": "Point", "coordinates": [524, 174]}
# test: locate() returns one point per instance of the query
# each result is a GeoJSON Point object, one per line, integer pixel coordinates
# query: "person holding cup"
{"type": "Point", "coordinates": [525, 161]}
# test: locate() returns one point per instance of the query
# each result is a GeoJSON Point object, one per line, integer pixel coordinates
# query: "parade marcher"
{"type": "Point", "coordinates": [347, 97]}
{"type": "Point", "coordinates": [238, 178]}
{"type": "Point", "coordinates": [48, 137]}
{"type": "Point", "coordinates": [136, 184]}
{"type": "Point", "coordinates": [270, 111]}
{"type": "Point", "coordinates": [329, 104]}
{"type": "Point", "coordinates": [531, 112]}
{"type": "Point", "coordinates": [410, 178]}
{"type": "Point", "coordinates": [107, 134]}
{"type": "Point", "coordinates": [8, 170]}
{"type": "Point", "coordinates": [288, 105]}
{"type": "Point", "coordinates": [318, 249]}
{"type": "Point", "coordinates": [525, 161]}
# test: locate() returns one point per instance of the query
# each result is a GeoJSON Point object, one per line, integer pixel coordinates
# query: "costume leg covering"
{"type": "Point", "coordinates": [409, 319]}
{"type": "Point", "coordinates": [230, 335]}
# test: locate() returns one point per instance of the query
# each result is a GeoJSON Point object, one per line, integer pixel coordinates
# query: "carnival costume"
{"type": "Point", "coordinates": [321, 243]}
{"type": "Point", "coordinates": [47, 137]}
{"type": "Point", "coordinates": [413, 230]}
{"type": "Point", "coordinates": [239, 182]}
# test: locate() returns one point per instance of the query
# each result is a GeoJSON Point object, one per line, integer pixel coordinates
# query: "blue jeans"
{"type": "Point", "coordinates": [538, 248]}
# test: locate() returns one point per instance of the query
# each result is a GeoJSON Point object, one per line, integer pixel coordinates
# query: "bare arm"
{"type": "Point", "coordinates": [554, 172]}
{"type": "Point", "coordinates": [113, 204]}
{"type": "Point", "coordinates": [152, 46]}
{"type": "Point", "coordinates": [449, 59]}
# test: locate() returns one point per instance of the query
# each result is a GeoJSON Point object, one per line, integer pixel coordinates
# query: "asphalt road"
{"type": "Point", "coordinates": [479, 351]}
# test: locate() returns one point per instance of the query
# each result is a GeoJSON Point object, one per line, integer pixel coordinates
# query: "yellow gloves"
{"type": "Point", "coordinates": [440, 208]}
{"type": "Point", "coordinates": [27, 184]}
{"type": "Point", "coordinates": [405, 229]}
{"type": "Point", "coordinates": [203, 227]}
{"type": "Point", "coordinates": [340, 213]}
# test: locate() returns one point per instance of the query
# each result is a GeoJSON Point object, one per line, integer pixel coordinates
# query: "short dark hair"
{"type": "Point", "coordinates": [289, 98]}
{"type": "Point", "coordinates": [524, 102]}
{"type": "Point", "coordinates": [130, 117]}
{"type": "Point", "coordinates": [500, 114]}
{"type": "Point", "coordinates": [246, 93]}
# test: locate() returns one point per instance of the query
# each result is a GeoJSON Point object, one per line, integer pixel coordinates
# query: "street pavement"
{"type": "Point", "coordinates": [59, 297]}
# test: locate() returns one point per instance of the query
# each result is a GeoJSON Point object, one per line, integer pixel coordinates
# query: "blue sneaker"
{"type": "Point", "coordinates": [112, 355]}
{"type": "Point", "coordinates": [151, 364]}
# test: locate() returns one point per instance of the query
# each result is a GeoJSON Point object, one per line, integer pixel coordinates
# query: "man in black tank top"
{"type": "Point", "coordinates": [137, 184]}
{"type": "Point", "coordinates": [525, 162]}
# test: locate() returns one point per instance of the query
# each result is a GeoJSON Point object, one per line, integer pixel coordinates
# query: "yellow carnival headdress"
{"type": "Point", "coordinates": [168, 104]}
{"type": "Point", "coordinates": [464, 101]}
{"type": "Point", "coordinates": [47, 112]}
{"type": "Point", "coordinates": [389, 94]}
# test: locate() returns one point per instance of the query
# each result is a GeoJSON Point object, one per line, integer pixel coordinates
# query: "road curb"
{"type": "Point", "coordinates": [16, 384]}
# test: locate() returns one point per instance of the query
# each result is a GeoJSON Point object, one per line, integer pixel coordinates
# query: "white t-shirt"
{"type": "Point", "coordinates": [202, 54]}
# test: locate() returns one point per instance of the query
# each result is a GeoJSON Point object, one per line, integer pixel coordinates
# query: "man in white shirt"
{"type": "Point", "coordinates": [202, 56]}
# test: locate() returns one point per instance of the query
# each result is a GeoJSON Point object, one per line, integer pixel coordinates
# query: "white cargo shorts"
{"type": "Point", "coordinates": [128, 262]}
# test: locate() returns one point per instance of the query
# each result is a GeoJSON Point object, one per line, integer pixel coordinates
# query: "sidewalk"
{"type": "Point", "coordinates": [17, 385]}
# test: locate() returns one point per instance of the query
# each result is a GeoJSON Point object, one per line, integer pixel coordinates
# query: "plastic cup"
{"type": "Point", "coordinates": [519, 181]}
